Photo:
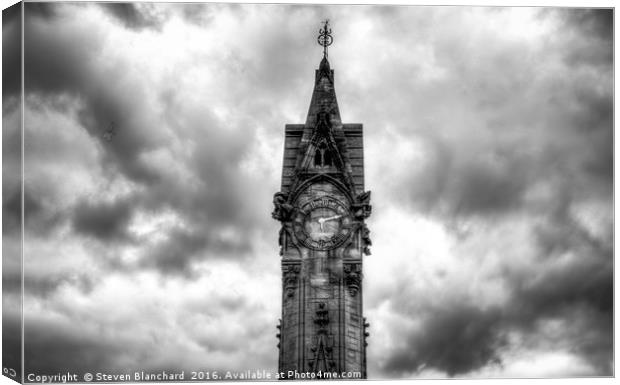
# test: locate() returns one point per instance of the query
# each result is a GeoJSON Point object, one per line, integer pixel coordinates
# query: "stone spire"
{"type": "Point", "coordinates": [324, 94]}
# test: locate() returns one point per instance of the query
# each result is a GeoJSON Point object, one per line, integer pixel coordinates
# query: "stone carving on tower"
{"type": "Point", "coordinates": [322, 206]}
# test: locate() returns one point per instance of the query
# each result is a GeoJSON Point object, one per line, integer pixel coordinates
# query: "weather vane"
{"type": "Point", "coordinates": [325, 37]}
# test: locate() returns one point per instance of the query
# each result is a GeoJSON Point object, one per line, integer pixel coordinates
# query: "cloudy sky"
{"type": "Point", "coordinates": [154, 137]}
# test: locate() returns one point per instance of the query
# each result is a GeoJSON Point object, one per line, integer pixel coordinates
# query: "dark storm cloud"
{"type": "Point", "coordinates": [585, 285]}
{"type": "Point", "coordinates": [11, 47]}
{"type": "Point", "coordinates": [51, 345]}
{"type": "Point", "coordinates": [11, 338]}
{"type": "Point", "coordinates": [70, 68]}
{"type": "Point", "coordinates": [106, 221]}
{"type": "Point", "coordinates": [63, 62]}
{"type": "Point", "coordinates": [12, 213]}
{"type": "Point", "coordinates": [487, 163]}
{"type": "Point", "coordinates": [50, 64]}
{"type": "Point", "coordinates": [533, 130]}
{"type": "Point", "coordinates": [459, 338]}
{"type": "Point", "coordinates": [561, 232]}
{"type": "Point", "coordinates": [45, 286]}
{"type": "Point", "coordinates": [581, 290]}
{"type": "Point", "coordinates": [455, 339]}
{"type": "Point", "coordinates": [176, 254]}
{"type": "Point", "coordinates": [197, 13]}
{"type": "Point", "coordinates": [595, 125]}
{"type": "Point", "coordinates": [35, 217]}
{"type": "Point", "coordinates": [12, 278]}
{"type": "Point", "coordinates": [451, 182]}
{"type": "Point", "coordinates": [132, 16]}
{"type": "Point", "coordinates": [45, 10]}
{"type": "Point", "coordinates": [570, 280]}
{"type": "Point", "coordinates": [596, 21]}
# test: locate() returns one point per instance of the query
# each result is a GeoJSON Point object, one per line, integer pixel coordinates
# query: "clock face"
{"type": "Point", "coordinates": [322, 223]}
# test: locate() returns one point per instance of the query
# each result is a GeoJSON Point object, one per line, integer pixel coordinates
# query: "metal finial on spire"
{"type": "Point", "coordinates": [325, 37]}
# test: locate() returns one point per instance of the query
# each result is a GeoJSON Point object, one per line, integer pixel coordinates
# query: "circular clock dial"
{"type": "Point", "coordinates": [322, 223]}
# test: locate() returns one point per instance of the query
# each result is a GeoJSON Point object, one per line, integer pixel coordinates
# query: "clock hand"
{"type": "Point", "coordinates": [321, 221]}
{"type": "Point", "coordinates": [332, 218]}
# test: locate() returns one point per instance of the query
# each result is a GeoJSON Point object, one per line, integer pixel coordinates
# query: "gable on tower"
{"type": "Point", "coordinates": [322, 153]}
{"type": "Point", "coordinates": [320, 145]}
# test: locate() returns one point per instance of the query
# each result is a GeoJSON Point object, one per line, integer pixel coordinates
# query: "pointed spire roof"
{"type": "Point", "coordinates": [323, 96]}
{"type": "Point", "coordinates": [322, 148]}
{"type": "Point", "coordinates": [323, 143]}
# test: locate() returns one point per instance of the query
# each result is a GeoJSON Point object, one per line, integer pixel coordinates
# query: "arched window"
{"type": "Point", "coordinates": [318, 158]}
{"type": "Point", "coordinates": [327, 158]}
{"type": "Point", "coordinates": [322, 157]}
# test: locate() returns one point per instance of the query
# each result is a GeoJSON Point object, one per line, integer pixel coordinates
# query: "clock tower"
{"type": "Point", "coordinates": [322, 206]}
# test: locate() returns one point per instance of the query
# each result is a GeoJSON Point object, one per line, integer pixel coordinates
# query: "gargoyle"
{"type": "Point", "coordinates": [282, 210]}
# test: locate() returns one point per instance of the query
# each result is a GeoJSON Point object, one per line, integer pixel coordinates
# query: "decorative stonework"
{"type": "Point", "coordinates": [290, 279]}
{"type": "Point", "coordinates": [361, 208]}
{"type": "Point", "coordinates": [353, 277]}
{"type": "Point", "coordinates": [284, 237]}
{"type": "Point", "coordinates": [366, 242]}
{"type": "Point", "coordinates": [322, 351]}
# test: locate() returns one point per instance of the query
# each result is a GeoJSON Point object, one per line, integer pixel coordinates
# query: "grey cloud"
{"type": "Point", "coordinates": [560, 232]}
{"type": "Point", "coordinates": [44, 10]}
{"type": "Point", "coordinates": [182, 248]}
{"type": "Point", "coordinates": [175, 255]}
{"type": "Point", "coordinates": [106, 221]}
{"type": "Point", "coordinates": [51, 345]}
{"type": "Point", "coordinates": [459, 338]}
{"type": "Point", "coordinates": [12, 209]}
{"type": "Point", "coordinates": [64, 62]}
{"type": "Point", "coordinates": [220, 147]}
{"type": "Point", "coordinates": [132, 15]}
{"type": "Point", "coordinates": [49, 63]}
{"type": "Point", "coordinates": [510, 137]}
{"type": "Point", "coordinates": [11, 339]}
{"type": "Point", "coordinates": [587, 284]}
{"type": "Point", "coordinates": [11, 47]}
{"type": "Point", "coordinates": [582, 297]}
{"type": "Point", "coordinates": [12, 277]}
{"type": "Point", "coordinates": [596, 26]}
{"type": "Point", "coordinates": [40, 219]}
{"type": "Point", "coordinates": [199, 14]}
{"type": "Point", "coordinates": [456, 339]}
{"type": "Point", "coordinates": [46, 286]}
{"type": "Point", "coordinates": [595, 125]}
{"type": "Point", "coordinates": [11, 137]}
{"type": "Point", "coordinates": [457, 183]}
{"type": "Point", "coordinates": [584, 287]}
{"type": "Point", "coordinates": [596, 22]}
